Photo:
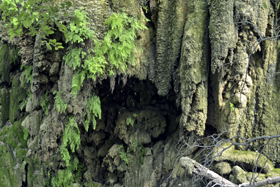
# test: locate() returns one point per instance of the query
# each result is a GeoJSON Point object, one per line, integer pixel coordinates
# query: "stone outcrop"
{"type": "Point", "coordinates": [205, 68]}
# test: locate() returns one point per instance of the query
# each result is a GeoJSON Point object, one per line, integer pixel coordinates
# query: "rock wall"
{"type": "Point", "coordinates": [203, 66]}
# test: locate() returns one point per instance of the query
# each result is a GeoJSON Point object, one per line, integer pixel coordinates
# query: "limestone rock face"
{"type": "Point", "coordinates": [205, 68]}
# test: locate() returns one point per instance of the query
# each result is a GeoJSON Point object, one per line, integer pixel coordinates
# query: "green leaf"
{"type": "Point", "coordinates": [278, 5]}
{"type": "Point", "coordinates": [68, 4]}
{"type": "Point", "coordinates": [27, 22]}
{"type": "Point", "coordinates": [76, 20]}
{"type": "Point", "coordinates": [48, 46]}
{"type": "Point", "coordinates": [264, 5]}
{"type": "Point", "coordinates": [52, 41]}
{"type": "Point", "coordinates": [58, 47]}
{"type": "Point", "coordinates": [62, 5]}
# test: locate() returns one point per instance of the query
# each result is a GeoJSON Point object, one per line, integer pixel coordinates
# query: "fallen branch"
{"type": "Point", "coordinates": [211, 175]}
{"type": "Point", "coordinates": [216, 179]}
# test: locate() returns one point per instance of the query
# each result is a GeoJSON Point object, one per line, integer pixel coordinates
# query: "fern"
{"type": "Point", "coordinates": [65, 178]}
{"type": "Point", "coordinates": [71, 137]}
{"type": "Point", "coordinates": [77, 82]}
{"type": "Point", "coordinates": [25, 101]}
{"type": "Point", "coordinates": [122, 48]}
{"type": "Point", "coordinates": [123, 154]}
{"type": "Point", "coordinates": [108, 55]}
{"type": "Point", "coordinates": [59, 102]}
{"type": "Point", "coordinates": [44, 103]}
{"type": "Point", "coordinates": [26, 76]}
{"type": "Point", "coordinates": [129, 121]}
{"type": "Point", "coordinates": [95, 65]}
{"type": "Point", "coordinates": [72, 57]}
{"type": "Point", "coordinates": [78, 27]}
{"type": "Point", "coordinates": [93, 110]}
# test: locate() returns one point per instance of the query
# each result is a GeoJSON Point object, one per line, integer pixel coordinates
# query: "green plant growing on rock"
{"type": "Point", "coordinates": [232, 108]}
{"type": "Point", "coordinates": [107, 55]}
{"type": "Point", "coordinates": [44, 103]}
{"type": "Point", "coordinates": [77, 82]}
{"type": "Point", "coordinates": [142, 153]}
{"type": "Point", "coordinates": [59, 102]}
{"type": "Point", "coordinates": [23, 165]}
{"type": "Point", "coordinates": [71, 138]}
{"type": "Point", "coordinates": [123, 154]}
{"type": "Point", "coordinates": [26, 76]}
{"type": "Point", "coordinates": [25, 136]}
{"type": "Point", "coordinates": [129, 121]}
{"type": "Point", "coordinates": [65, 178]}
{"type": "Point", "coordinates": [25, 101]}
{"type": "Point", "coordinates": [34, 16]}
{"type": "Point", "coordinates": [93, 110]}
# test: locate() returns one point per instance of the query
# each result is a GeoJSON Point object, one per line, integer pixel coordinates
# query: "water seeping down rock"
{"type": "Point", "coordinates": [204, 69]}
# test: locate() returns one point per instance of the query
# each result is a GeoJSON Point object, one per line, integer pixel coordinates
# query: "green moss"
{"type": "Point", "coordinates": [20, 154]}
{"type": "Point", "coordinates": [17, 95]}
{"type": "Point", "coordinates": [246, 157]}
{"type": "Point", "coordinates": [4, 113]}
{"type": "Point", "coordinates": [274, 173]}
{"type": "Point", "coordinates": [9, 175]}
{"type": "Point", "coordinates": [4, 70]}
{"type": "Point", "coordinates": [13, 136]}
{"type": "Point", "coordinates": [8, 55]}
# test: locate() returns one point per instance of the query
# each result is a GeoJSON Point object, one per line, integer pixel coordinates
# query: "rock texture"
{"type": "Point", "coordinates": [206, 68]}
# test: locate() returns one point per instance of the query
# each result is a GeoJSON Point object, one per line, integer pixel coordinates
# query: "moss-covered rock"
{"type": "Point", "coordinates": [8, 55]}
{"type": "Point", "coordinates": [17, 95]}
{"type": "Point", "coordinates": [248, 158]}
{"type": "Point", "coordinates": [12, 153]}
{"type": "Point", "coordinates": [10, 172]}
{"type": "Point", "coordinates": [4, 110]}
{"type": "Point", "coordinates": [193, 73]}
{"type": "Point", "coordinates": [222, 168]}
{"type": "Point", "coordinates": [240, 176]}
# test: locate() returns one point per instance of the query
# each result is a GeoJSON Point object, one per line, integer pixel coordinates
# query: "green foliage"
{"type": "Point", "coordinates": [142, 153]}
{"type": "Point", "coordinates": [146, 8]}
{"type": "Point", "coordinates": [25, 101]}
{"type": "Point", "coordinates": [93, 110]}
{"type": "Point", "coordinates": [80, 172]}
{"type": "Point", "coordinates": [25, 135]}
{"type": "Point", "coordinates": [77, 81]}
{"type": "Point", "coordinates": [264, 5]}
{"type": "Point", "coordinates": [65, 178]}
{"type": "Point", "coordinates": [232, 108]}
{"type": "Point", "coordinates": [46, 180]}
{"type": "Point", "coordinates": [72, 57]}
{"type": "Point", "coordinates": [56, 45]}
{"type": "Point", "coordinates": [34, 16]}
{"type": "Point", "coordinates": [79, 30]}
{"type": "Point", "coordinates": [107, 55]}
{"type": "Point", "coordinates": [123, 154]}
{"type": "Point", "coordinates": [118, 43]}
{"type": "Point", "coordinates": [135, 115]}
{"type": "Point", "coordinates": [44, 103]}
{"type": "Point", "coordinates": [59, 102]}
{"type": "Point", "coordinates": [23, 165]}
{"type": "Point", "coordinates": [129, 121]}
{"type": "Point", "coordinates": [71, 137]}
{"type": "Point", "coordinates": [26, 76]}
